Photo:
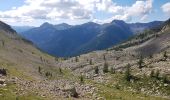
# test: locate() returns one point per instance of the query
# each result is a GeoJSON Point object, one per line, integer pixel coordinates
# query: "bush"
{"type": "Point", "coordinates": [112, 70]}
{"type": "Point", "coordinates": [3, 72]}
{"type": "Point", "coordinates": [152, 74]}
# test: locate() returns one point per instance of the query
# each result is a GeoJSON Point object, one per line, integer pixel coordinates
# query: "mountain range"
{"type": "Point", "coordinates": [65, 40]}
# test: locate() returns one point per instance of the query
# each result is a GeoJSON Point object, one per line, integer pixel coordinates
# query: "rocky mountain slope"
{"type": "Point", "coordinates": [26, 73]}
{"type": "Point", "coordinates": [147, 57]}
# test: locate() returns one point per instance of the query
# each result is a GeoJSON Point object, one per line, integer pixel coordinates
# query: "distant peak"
{"type": "Point", "coordinates": [64, 24]}
{"type": "Point", "coordinates": [46, 24]}
{"type": "Point", "coordinates": [117, 21]}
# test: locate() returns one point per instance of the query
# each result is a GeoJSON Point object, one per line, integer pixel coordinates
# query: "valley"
{"type": "Point", "coordinates": [132, 70]}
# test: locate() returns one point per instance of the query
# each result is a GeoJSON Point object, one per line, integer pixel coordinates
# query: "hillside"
{"type": "Point", "coordinates": [28, 74]}
{"type": "Point", "coordinates": [65, 40]}
{"type": "Point", "coordinates": [148, 65]}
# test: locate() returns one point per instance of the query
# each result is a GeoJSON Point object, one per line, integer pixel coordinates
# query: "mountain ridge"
{"type": "Point", "coordinates": [49, 38]}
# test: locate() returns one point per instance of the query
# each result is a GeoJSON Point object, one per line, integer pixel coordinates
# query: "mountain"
{"type": "Point", "coordinates": [139, 27]}
{"type": "Point", "coordinates": [62, 26]}
{"type": "Point", "coordinates": [20, 29]}
{"type": "Point", "coordinates": [65, 40]}
{"type": "Point", "coordinates": [111, 34]}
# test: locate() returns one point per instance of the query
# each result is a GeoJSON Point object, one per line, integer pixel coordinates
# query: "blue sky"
{"type": "Point", "coordinates": [36, 12]}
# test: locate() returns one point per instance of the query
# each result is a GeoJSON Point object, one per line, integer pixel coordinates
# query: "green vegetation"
{"type": "Point", "coordinates": [106, 67]}
{"type": "Point", "coordinates": [165, 56]}
{"type": "Point", "coordinates": [77, 59]}
{"type": "Point", "coordinates": [140, 62]}
{"type": "Point", "coordinates": [127, 73]}
{"type": "Point", "coordinates": [152, 74]}
{"type": "Point", "coordinates": [81, 79]}
{"type": "Point", "coordinates": [96, 70]}
{"type": "Point", "coordinates": [39, 69]}
{"type": "Point", "coordinates": [91, 62]}
{"type": "Point", "coordinates": [112, 70]}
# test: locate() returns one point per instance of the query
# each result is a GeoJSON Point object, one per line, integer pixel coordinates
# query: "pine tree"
{"type": "Point", "coordinates": [164, 78]}
{"type": "Point", "coordinates": [39, 69]}
{"type": "Point", "coordinates": [105, 68]}
{"type": "Point", "coordinates": [140, 62]}
{"type": "Point", "coordinates": [81, 79]}
{"type": "Point", "coordinates": [127, 73]}
{"type": "Point", "coordinates": [104, 57]}
{"type": "Point", "coordinates": [96, 70]}
{"type": "Point", "coordinates": [76, 59]}
{"type": "Point", "coordinates": [165, 56]}
{"type": "Point", "coordinates": [157, 74]}
{"type": "Point", "coordinates": [90, 62]}
{"type": "Point", "coordinates": [60, 70]}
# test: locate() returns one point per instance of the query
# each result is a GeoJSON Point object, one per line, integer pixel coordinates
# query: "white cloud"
{"type": "Point", "coordinates": [166, 8]}
{"type": "Point", "coordinates": [76, 9]}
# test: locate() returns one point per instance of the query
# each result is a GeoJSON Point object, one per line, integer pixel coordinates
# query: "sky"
{"type": "Point", "coordinates": [36, 12]}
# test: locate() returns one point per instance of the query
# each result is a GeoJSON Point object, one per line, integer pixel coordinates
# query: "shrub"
{"type": "Point", "coordinates": [152, 74]}
{"type": "Point", "coordinates": [112, 70]}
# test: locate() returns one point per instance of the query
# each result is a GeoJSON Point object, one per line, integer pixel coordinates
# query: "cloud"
{"type": "Point", "coordinates": [76, 9]}
{"type": "Point", "coordinates": [166, 8]}
{"type": "Point", "coordinates": [140, 9]}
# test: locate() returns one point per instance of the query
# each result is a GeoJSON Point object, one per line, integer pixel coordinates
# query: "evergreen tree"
{"type": "Point", "coordinates": [127, 73]}
{"type": "Point", "coordinates": [140, 62]}
{"type": "Point", "coordinates": [157, 74]}
{"type": "Point", "coordinates": [96, 70]}
{"type": "Point", "coordinates": [165, 56]}
{"type": "Point", "coordinates": [60, 70]}
{"type": "Point", "coordinates": [39, 69]}
{"type": "Point", "coordinates": [152, 74]}
{"type": "Point", "coordinates": [76, 59]}
{"type": "Point", "coordinates": [81, 79]}
{"type": "Point", "coordinates": [164, 78]}
{"type": "Point", "coordinates": [104, 57]}
{"type": "Point", "coordinates": [106, 68]}
{"type": "Point", "coordinates": [90, 62]}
